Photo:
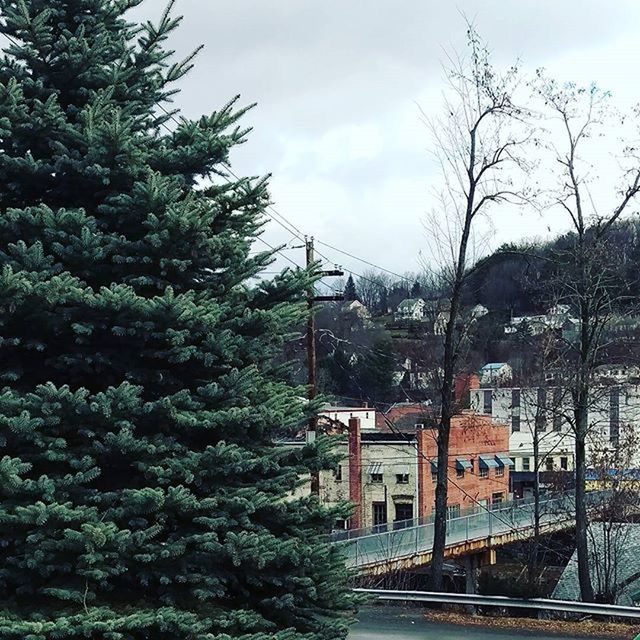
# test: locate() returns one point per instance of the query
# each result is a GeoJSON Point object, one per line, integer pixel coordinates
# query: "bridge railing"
{"type": "Point", "coordinates": [348, 534]}
{"type": "Point", "coordinates": [397, 543]}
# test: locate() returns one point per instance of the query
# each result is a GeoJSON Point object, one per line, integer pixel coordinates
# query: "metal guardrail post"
{"type": "Point", "coordinates": [466, 528]}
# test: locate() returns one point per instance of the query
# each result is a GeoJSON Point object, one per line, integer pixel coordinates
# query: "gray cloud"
{"type": "Point", "coordinates": [336, 84]}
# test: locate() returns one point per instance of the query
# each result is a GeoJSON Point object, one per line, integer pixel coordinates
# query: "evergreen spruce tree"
{"type": "Point", "coordinates": [141, 493]}
{"type": "Point", "coordinates": [350, 292]}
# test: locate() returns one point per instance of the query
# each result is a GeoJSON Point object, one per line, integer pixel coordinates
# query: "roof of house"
{"type": "Point", "coordinates": [627, 562]}
{"type": "Point", "coordinates": [409, 303]}
{"type": "Point", "coordinates": [493, 366]}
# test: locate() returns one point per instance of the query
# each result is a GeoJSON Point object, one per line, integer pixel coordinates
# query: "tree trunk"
{"type": "Point", "coordinates": [582, 521]}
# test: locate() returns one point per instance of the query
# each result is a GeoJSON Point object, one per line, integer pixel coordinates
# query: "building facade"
{"type": "Point", "coordinates": [390, 477]}
{"type": "Point", "coordinates": [546, 413]}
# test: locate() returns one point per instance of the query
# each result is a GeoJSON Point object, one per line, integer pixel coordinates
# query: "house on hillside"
{"type": "Point", "coordinates": [356, 307]}
{"type": "Point", "coordinates": [440, 323]}
{"type": "Point", "coordinates": [478, 311]}
{"type": "Point", "coordinates": [410, 309]}
{"type": "Point", "coordinates": [495, 373]}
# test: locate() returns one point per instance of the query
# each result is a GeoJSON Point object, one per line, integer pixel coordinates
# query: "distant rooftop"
{"type": "Point", "coordinates": [493, 365]}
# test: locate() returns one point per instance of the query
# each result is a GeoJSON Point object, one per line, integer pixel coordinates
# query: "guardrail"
{"type": "Point", "coordinates": [542, 604]}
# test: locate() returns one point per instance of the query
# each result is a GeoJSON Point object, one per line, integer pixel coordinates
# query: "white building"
{"type": "Point", "coordinates": [410, 309]}
{"type": "Point", "coordinates": [367, 416]}
{"type": "Point", "coordinates": [495, 373]}
{"type": "Point", "coordinates": [613, 410]}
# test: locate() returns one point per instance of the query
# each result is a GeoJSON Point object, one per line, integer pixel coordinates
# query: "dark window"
{"type": "Point", "coordinates": [614, 415]}
{"type": "Point", "coordinates": [499, 471]}
{"type": "Point", "coordinates": [515, 398]}
{"type": "Point", "coordinates": [340, 524]}
{"type": "Point", "coordinates": [488, 401]}
{"type": "Point", "coordinates": [541, 410]}
{"type": "Point", "coordinates": [526, 464]}
{"type": "Point", "coordinates": [379, 513]}
{"type": "Point", "coordinates": [548, 464]}
{"type": "Point", "coordinates": [459, 473]}
{"type": "Point", "coordinates": [484, 472]}
{"type": "Point", "coordinates": [453, 511]}
{"type": "Point", "coordinates": [402, 478]}
{"type": "Point", "coordinates": [376, 478]}
{"type": "Point", "coordinates": [557, 415]}
{"type": "Point", "coordinates": [497, 498]}
{"type": "Point", "coordinates": [338, 473]}
{"type": "Point", "coordinates": [564, 463]}
{"type": "Point", "coordinates": [515, 422]}
{"type": "Point", "coordinates": [404, 512]}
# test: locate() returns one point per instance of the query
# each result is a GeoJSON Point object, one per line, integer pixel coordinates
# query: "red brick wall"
{"type": "Point", "coordinates": [471, 435]}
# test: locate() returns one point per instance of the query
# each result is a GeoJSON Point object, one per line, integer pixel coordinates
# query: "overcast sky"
{"type": "Point", "coordinates": [337, 84]}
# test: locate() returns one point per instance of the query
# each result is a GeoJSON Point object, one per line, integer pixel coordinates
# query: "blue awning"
{"type": "Point", "coordinates": [487, 462]}
{"type": "Point", "coordinates": [504, 460]}
{"type": "Point", "coordinates": [463, 463]}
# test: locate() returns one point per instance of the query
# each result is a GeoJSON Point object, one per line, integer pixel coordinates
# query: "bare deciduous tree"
{"type": "Point", "coordinates": [478, 143]}
{"type": "Point", "coordinates": [586, 277]}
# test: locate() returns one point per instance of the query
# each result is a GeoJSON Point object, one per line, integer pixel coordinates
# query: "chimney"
{"type": "Point", "coordinates": [424, 472]}
{"type": "Point", "coordinates": [463, 384]}
{"type": "Point", "coordinates": [355, 473]}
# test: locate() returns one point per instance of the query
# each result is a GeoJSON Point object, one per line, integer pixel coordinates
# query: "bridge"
{"type": "Point", "coordinates": [408, 544]}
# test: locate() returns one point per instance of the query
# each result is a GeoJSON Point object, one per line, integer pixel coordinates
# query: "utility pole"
{"type": "Point", "coordinates": [311, 338]}
{"type": "Point", "coordinates": [311, 328]}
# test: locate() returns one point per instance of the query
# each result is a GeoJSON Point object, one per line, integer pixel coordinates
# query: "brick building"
{"type": "Point", "coordinates": [390, 475]}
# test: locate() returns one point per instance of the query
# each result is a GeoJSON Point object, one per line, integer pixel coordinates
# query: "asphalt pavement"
{"type": "Point", "coordinates": [395, 623]}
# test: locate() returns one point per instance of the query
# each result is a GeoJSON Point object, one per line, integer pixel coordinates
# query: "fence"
{"type": "Point", "coordinates": [396, 543]}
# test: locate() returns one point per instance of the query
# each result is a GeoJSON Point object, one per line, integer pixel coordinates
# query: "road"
{"type": "Point", "coordinates": [393, 623]}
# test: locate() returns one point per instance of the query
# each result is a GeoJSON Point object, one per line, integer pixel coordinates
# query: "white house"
{"type": "Point", "coordinates": [356, 307]}
{"type": "Point", "coordinates": [367, 415]}
{"type": "Point", "coordinates": [410, 309]}
{"type": "Point", "coordinates": [478, 311]}
{"type": "Point", "coordinates": [495, 373]}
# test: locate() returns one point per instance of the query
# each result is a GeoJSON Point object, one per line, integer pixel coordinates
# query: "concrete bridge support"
{"type": "Point", "coordinates": [473, 562]}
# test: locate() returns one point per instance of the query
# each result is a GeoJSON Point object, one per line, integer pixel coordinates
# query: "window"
{"type": "Point", "coordinates": [453, 511]}
{"type": "Point", "coordinates": [515, 422]}
{"type": "Point", "coordinates": [497, 498]}
{"type": "Point", "coordinates": [541, 410]}
{"type": "Point", "coordinates": [376, 478]}
{"type": "Point", "coordinates": [471, 462]}
{"type": "Point", "coordinates": [548, 462]}
{"type": "Point", "coordinates": [379, 513]}
{"type": "Point", "coordinates": [488, 401]}
{"type": "Point", "coordinates": [337, 473]}
{"type": "Point", "coordinates": [459, 473]}
{"type": "Point", "coordinates": [499, 471]}
{"type": "Point", "coordinates": [340, 524]}
{"type": "Point", "coordinates": [564, 463]}
{"type": "Point", "coordinates": [404, 512]}
{"type": "Point", "coordinates": [515, 399]}
{"type": "Point", "coordinates": [557, 415]}
{"type": "Point", "coordinates": [402, 478]}
{"type": "Point", "coordinates": [614, 415]}
{"type": "Point", "coordinates": [526, 464]}
{"type": "Point", "coordinates": [434, 475]}
{"type": "Point", "coordinates": [484, 472]}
